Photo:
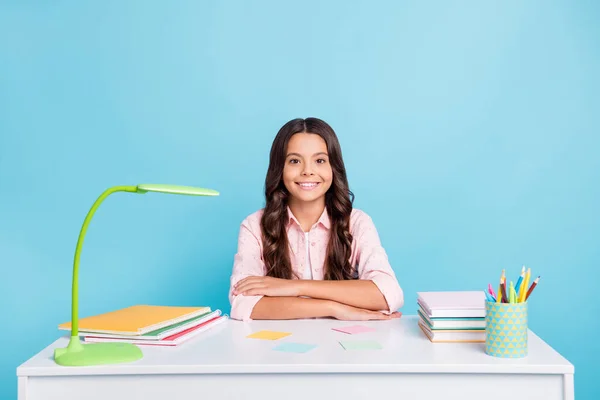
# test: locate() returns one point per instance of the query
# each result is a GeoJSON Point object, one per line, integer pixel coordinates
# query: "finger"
{"type": "Point", "coordinates": [378, 316]}
{"type": "Point", "coordinates": [241, 282]}
{"type": "Point", "coordinates": [256, 289]}
{"type": "Point", "coordinates": [246, 286]}
{"type": "Point", "coordinates": [253, 292]}
{"type": "Point", "coordinates": [246, 280]}
{"type": "Point", "coordinates": [251, 278]}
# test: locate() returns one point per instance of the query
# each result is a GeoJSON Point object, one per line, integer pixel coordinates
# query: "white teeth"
{"type": "Point", "coordinates": [308, 185]}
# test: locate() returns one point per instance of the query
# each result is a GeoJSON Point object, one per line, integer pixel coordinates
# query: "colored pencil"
{"type": "Point", "coordinates": [505, 298]}
{"type": "Point", "coordinates": [500, 288]}
{"type": "Point", "coordinates": [533, 285]}
{"type": "Point", "coordinates": [520, 280]}
{"type": "Point", "coordinates": [491, 291]}
{"type": "Point", "coordinates": [511, 293]}
{"type": "Point", "coordinates": [524, 286]}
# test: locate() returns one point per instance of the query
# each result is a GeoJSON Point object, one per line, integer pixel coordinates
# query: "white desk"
{"type": "Point", "coordinates": [224, 364]}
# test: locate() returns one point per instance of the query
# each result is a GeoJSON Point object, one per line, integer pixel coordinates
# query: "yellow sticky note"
{"type": "Point", "coordinates": [268, 335]}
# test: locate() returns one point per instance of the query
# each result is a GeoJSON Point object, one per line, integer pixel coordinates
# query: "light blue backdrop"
{"type": "Point", "coordinates": [470, 132]}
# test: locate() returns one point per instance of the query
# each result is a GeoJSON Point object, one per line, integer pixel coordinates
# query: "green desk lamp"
{"type": "Point", "coordinates": [77, 353]}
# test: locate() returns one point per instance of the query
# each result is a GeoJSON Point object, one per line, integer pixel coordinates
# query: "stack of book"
{"type": "Point", "coordinates": [452, 316]}
{"type": "Point", "coordinates": [148, 325]}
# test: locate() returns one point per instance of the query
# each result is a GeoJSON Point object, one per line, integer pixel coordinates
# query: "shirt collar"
{"type": "Point", "coordinates": [323, 219]}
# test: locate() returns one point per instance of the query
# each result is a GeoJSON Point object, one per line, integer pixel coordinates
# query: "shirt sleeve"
{"type": "Point", "coordinates": [373, 262]}
{"type": "Point", "coordinates": [247, 262]}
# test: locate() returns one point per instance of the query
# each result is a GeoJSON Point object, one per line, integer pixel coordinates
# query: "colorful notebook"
{"type": "Point", "coordinates": [453, 304]}
{"type": "Point", "coordinates": [454, 335]}
{"type": "Point", "coordinates": [162, 332]}
{"type": "Point", "coordinates": [172, 340]}
{"type": "Point", "coordinates": [136, 320]}
{"type": "Point", "coordinates": [452, 323]}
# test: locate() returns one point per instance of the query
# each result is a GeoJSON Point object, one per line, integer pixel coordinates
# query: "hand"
{"type": "Point", "coordinates": [266, 286]}
{"type": "Point", "coordinates": [348, 313]}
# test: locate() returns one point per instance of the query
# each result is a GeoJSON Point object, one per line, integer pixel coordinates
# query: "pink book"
{"type": "Point", "coordinates": [172, 340]}
{"type": "Point", "coordinates": [458, 304]}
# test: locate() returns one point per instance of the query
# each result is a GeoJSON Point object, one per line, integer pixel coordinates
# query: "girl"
{"type": "Point", "coordinates": [308, 253]}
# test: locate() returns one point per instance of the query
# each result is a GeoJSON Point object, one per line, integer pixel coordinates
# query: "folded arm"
{"type": "Point", "coordinates": [291, 308]}
{"type": "Point", "coordinates": [365, 294]}
{"type": "Point", "coordinates": [356, 293]}
{"type": "Point", "coordinates": [299, 308]}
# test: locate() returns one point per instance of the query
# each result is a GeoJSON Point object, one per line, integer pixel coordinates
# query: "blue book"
{"type": "Point", "coordinates": [450, 323]}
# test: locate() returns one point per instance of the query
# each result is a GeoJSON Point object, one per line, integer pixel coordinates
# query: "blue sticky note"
{"type": "Point", "coordinates": [295, 347]}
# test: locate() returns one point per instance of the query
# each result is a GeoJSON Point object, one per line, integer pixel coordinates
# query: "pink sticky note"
{"type": "Point", "coordinates": [354, 329]}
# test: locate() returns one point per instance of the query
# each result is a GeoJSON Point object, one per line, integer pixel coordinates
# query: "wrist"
{"type": "Point", "coordinates": [300, 287]}
{"type": "Point", "coordinates": [332, 308]}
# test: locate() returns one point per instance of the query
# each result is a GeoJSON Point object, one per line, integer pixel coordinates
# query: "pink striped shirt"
{"type": "Point", "coordinates": [367, 255]}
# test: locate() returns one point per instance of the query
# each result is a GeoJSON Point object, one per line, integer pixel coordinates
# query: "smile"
{"type": "Point", "coordinates": [308, 185]}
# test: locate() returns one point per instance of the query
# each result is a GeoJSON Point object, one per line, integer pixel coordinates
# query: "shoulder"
{"type": "Point", "coordinates": [360, 221]}
{"type": "Point", "coordinates": [359, 215]}
{"type": "Point", "coordinates": [363, 229]}
{"type": "Point", "coordinates": [252, 221]}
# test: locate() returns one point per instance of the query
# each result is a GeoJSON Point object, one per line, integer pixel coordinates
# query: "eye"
{"type": "Point", "coordinates": [294, 161]}
{"type": "Point", "coordinates": [321, 161]}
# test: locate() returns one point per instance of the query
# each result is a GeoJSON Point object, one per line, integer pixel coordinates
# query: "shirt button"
{"type": "Point", "coordinates": [312, 244]}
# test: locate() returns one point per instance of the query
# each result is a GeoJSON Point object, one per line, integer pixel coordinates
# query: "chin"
{"type": "Point", "coordinates": [307, 197]}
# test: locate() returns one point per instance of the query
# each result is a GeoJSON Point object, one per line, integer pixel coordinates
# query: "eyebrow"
{"type": "Point", "coordinates": [316, 154]}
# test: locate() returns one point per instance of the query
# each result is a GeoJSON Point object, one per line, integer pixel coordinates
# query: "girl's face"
{"type": "Point", "coordinates": [307, 174]}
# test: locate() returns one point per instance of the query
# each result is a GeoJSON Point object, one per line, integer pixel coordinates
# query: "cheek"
{"type": "Point", "coordinates": [328, 174]}
{"type": "Point", "coordinates": [288, 175]}
{"type": "Point", "coordinates": [327, 177]}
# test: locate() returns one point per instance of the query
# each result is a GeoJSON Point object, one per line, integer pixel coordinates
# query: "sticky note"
{"type": "Point", "coordinates": [361, 345]}
{"type": "Point", "coordinates": [268, 335]}
{"type": "Point", "coordinates": [354, 329]}
{"type": "Point", "coordinates": [295, 347]}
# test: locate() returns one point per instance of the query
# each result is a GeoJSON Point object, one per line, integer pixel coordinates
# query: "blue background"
{"type": "Point", "coordinates": [470, 131]}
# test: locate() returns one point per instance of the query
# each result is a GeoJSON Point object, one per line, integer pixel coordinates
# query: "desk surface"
{"type": "Point", "coordinates": [226, 350]}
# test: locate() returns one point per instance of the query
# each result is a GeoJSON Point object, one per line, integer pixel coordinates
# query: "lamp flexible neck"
{"type": "Point", "coordinates": [86, 222]}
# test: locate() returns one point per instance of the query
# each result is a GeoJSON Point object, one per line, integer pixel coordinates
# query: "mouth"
{"type": "Point", "coordinates": [308, 185]}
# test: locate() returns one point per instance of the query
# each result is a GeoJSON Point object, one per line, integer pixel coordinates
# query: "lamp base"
{"type": "Point", "coordinates": [77, 354]}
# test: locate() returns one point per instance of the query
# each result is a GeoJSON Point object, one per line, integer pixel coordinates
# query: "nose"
{"type": "Point", "coordinates": [307, 171]}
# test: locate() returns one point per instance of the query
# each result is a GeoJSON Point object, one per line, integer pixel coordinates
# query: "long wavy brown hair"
{"type": "Point", "coordinates": [338, 202]}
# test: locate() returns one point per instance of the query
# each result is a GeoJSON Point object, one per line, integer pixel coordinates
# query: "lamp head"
{"type": "Point", "coordinates": [175, 189]}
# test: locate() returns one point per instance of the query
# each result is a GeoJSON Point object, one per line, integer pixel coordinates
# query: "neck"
{"type": "Point", "coordinates": [307, 213]}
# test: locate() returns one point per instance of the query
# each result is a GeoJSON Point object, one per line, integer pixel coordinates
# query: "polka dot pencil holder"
{"type": "Point", "coordinates": [506, 329]}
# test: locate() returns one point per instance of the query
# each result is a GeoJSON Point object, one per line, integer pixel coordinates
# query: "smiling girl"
{"type": "Point", "coordinates": [309, 253]}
